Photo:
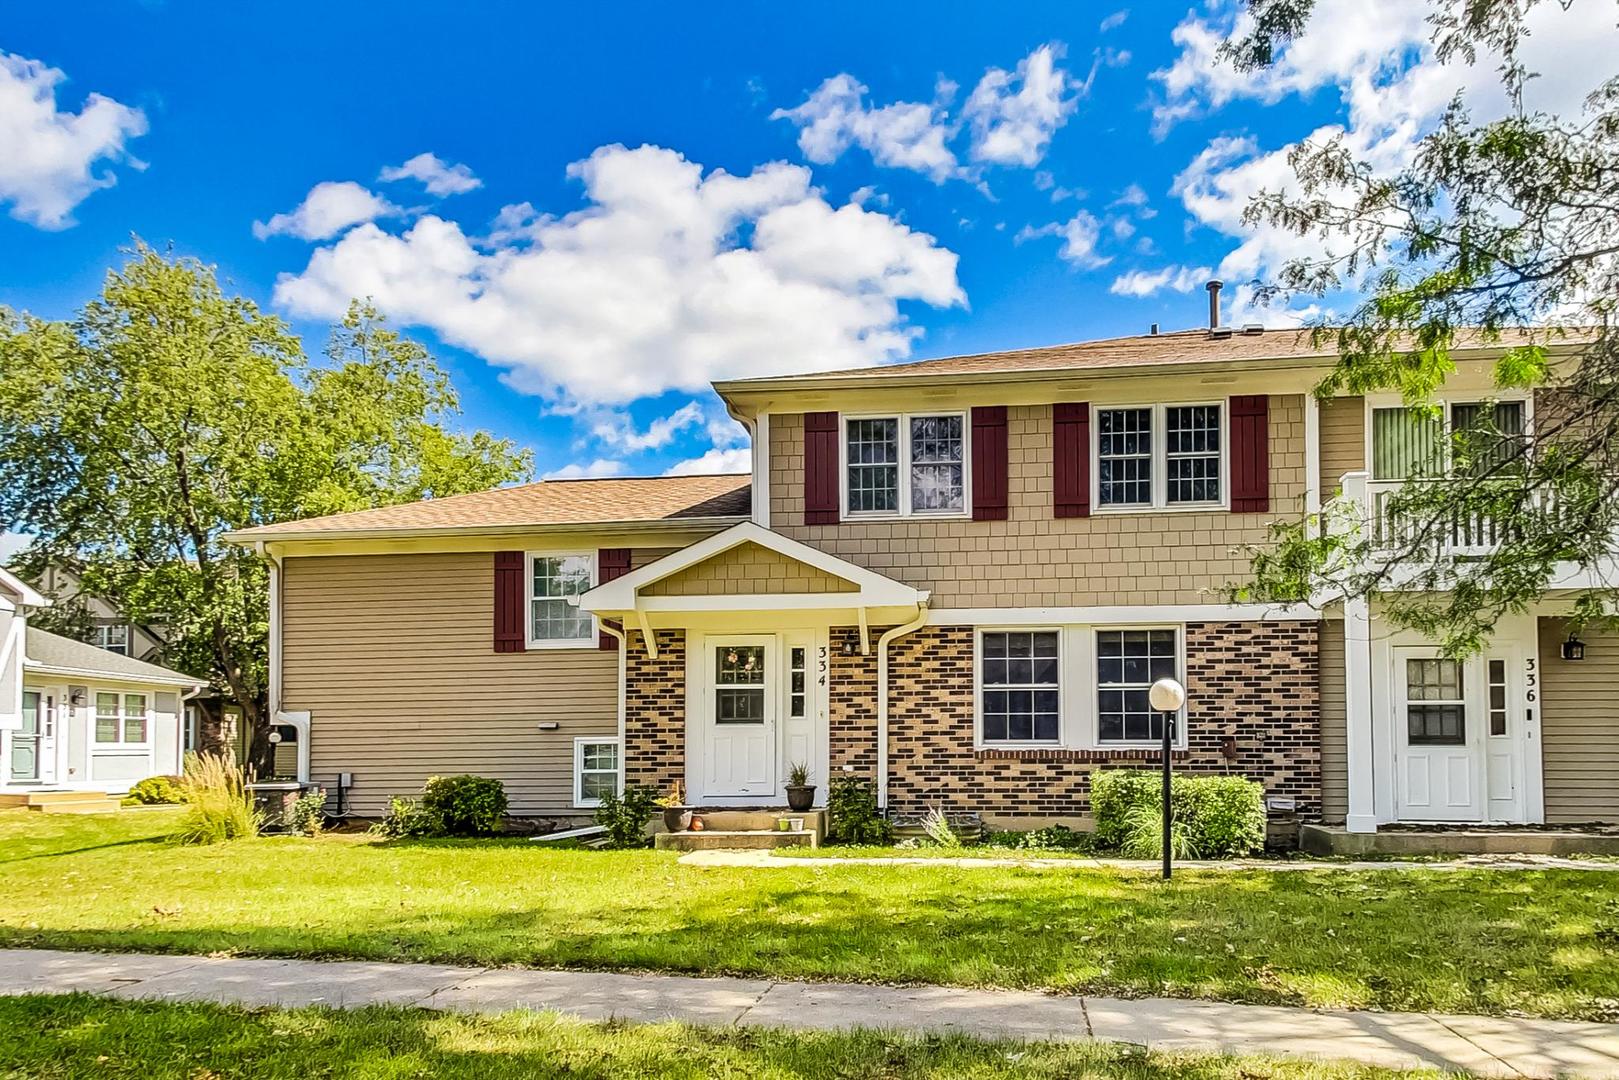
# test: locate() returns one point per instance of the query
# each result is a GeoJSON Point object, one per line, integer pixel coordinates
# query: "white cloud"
{"type": "Point", "coordinates": [330, 207]}
{"type": "Point", "coordinates": [1138, 283]}
{"type": "Point", "coordinates": [666, 280]}
{"type": "Point", "coordinates": [724, 431]}
{"type": "Point", "coordinates": [904, 135]}
{"type": "Point", "coordinates": [49, 156]}
{"type": "Point", "coordinates": [1013, 115]}
{"type": "Point", "coordinates": [734, 460]}
{"type": "Point", "coordinates": [620, 431]}
{"type": "Point", "coordinates": [599, 468]}
{"type": "Point", "coordinates": [12, 544]}
{"type": "Point", "coordinates": [1080, 235]}
{"type": "Point", "coordinates": [1114, 21]}
{"type": "Point", "coordinates": [1134, 199]}
{"type": "Point", "coordinates": [438, 176]}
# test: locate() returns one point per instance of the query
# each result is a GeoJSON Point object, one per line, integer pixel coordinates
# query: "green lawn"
{"type": "Point", "coordinates": [81, 1036]}
{"type": "Point", "coordinates": [1542, 943]}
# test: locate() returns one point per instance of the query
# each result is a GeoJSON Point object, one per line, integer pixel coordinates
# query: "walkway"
{"type": "Point", "coordinates": [1499, 1047]}
{"type": "Point", "coordinates": [765, 857]}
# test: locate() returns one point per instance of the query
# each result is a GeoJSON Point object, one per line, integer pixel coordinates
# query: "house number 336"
{"type": "Point", "coordinates": [1531, 679]}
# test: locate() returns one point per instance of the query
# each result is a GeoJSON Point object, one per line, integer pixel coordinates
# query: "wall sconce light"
{"type": "Point", "coordinates": [77, 695]}
{"type": "Point", "coordinates": [1573, 648]}
{"type": "Point", "coordinates": [849, 648]}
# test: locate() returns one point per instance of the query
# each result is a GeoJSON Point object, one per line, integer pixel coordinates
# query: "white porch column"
{"type": "Point", "coordinates": [1362, 814]}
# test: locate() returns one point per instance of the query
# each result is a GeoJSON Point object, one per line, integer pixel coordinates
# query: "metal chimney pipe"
{"type": "Point", "coordinates": [1214, 303]}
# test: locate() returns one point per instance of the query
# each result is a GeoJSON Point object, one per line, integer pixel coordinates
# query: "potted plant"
{"type": "Point", "coordinates": [676, 814]}
{"type": "Point", "coordinates": [800, 792]}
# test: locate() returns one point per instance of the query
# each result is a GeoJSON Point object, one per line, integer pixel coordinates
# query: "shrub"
{"type": "Point", "coordinates": [219, 807]}
{"type": "Point", "coordinates": [938, 829]}
{"type": "Point", "coordinates": [1050, 838]}
{"type": "Point", "coordinates": [1223, 816]}
{"type": "Point", "coordinates": [851, 809]}
{"type": "Point", "coordinates": [158, 790]}
{"type": "Point", "coordinates": [307, 814]}
{"type": "Point", "coordinates": [1144, 833]}
{"type": "Point", "coordinates": [406, 820]}
{"type": "Point", "coordinates": [464, 805]}
{"type": "Point", "coordinates": [625, 816]}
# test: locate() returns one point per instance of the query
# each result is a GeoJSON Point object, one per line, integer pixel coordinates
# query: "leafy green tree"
{"type": "Point", "coordinates": [167, 413]}
{"type": "Point", "coordinates": [1503, 232]}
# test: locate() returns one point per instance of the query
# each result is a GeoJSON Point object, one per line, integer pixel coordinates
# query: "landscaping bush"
{"type": "Point", "coordinates": [464, 805]}
{"type": "Point", "coordinates": [406, 820]}
{"type": "Point", "coordinates": [1050, 838]}
{"type": "Point", "coordinates": [219, 807]}
{"type": "Point", "coordinates": [1223, 816]}
{"type": "Point", "coordinates": [1144, 833]}
{"type": "Point", "coordinates": [852, 815]}
{"type": "Point", "coordinates": [625, 816]}
{"type": "Point", "coordinates": [157, 791]}
{"type": "Point", "coordinates": [307, 814]}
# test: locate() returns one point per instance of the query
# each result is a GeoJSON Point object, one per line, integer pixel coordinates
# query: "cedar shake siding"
{"type": "Point", "coordinates": [1036, 558]}
{"type": "Point", "coordinates": [1343, 441]}
{"type": "Point", "coordinates": [1579, 725]}
{"type": "Point", "coordinates": [1254, 683]}
{"type": "Point", "coordinates": [391, 655]}
{"type": "Point", "coordinates": [748, 569]}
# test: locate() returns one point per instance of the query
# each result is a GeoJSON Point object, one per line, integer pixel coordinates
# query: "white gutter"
{"type": "Point", "coordinates": [272, 535]}
{"type": "Point", "coordinates": [882, 697]}
{"type": "Point", "coordinates": [623, 677]}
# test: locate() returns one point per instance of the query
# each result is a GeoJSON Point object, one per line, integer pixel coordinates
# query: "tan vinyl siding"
{"type": "Point", "coordinates": [1343, 441]}
{"type": "Point", "coordinates": [748, 569]}
{"type": "Point", "coordinates": [1579, 723]}
{"type": "Point", "coordinates": [392, 655]}
{"type": "Point", "coordinates": [1035, 560]}
{"type": "Point", "coordinates": [1334, 724]}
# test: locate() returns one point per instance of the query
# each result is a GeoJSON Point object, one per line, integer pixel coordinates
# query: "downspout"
{"type": "Point", "coordinates": [882, 697]}
{"type": "Point", "coordinates": [623, 674]}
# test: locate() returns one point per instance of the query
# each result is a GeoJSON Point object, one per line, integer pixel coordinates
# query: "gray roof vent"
{"type": "Point", "coordinates": [1253, 329]}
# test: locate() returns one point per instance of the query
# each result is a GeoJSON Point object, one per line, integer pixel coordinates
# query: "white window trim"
{"type": "Point", "coordinates": [103, 633]}
{"type": "Point", "coordinates": [1444, 400]}
{"type": "Point", "coordinates": [590, 642]}
{"type": "Point", "coordinates": [903, 423]}
{"type": "Point", "coordinates": [1077, 688]}
{"type": "Point", "coordinates": [579, 744]}
{"type": "Point", "coordinates": [1094, 685]}
{"type": "Point", "coordinates": [120, 743]}
{"type": "Point", "coordinates": [1063, 666]}
{"type": "Point", "coordinates": [1160, 459]}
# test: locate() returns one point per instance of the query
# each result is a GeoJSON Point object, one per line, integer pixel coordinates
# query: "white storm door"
{"type": "Point", "coordinates": [24, 766]}
{"type": "Point", "coordinates": [741, 700]}
{"type": "Point", "coordinates": [1438, 732]}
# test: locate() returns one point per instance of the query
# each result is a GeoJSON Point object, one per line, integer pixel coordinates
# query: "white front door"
{"type": "Point", "coordinates": [1439, 737]}
{"type": "Point", "coordinates": [24, 764]}
{"type": "Point", "coordinates": [741, 699]}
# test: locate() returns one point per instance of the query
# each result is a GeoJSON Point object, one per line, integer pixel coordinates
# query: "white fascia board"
{"type": "Point", "coordinates": [1148, 613]}
{"type": "Point", "coordinates": [24, 593]}
{"type": "Point", "coordinates": [872, 589]}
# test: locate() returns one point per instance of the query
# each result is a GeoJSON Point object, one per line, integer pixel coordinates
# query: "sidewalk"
{"type": "Point", "coordinates": [1498, 1047]}
{"type": "Point", "coordinates": [766, 857]}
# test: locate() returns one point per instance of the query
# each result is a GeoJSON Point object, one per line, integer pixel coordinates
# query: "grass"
{"type": "Point", "coordinates": [1542, 943]}
{"type": "Point", "coordinates": [74, 1036]}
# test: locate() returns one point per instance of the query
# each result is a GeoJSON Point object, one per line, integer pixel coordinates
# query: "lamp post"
{"type": "Point", "coordinates": [1167, 696]}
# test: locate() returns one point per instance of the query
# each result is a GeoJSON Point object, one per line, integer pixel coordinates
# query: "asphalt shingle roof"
{"type": "Point", "coordinates": [47, 650]}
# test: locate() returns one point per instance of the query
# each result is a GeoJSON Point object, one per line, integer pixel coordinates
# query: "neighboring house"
{"type": "Point", "coordinates": [211, 722]}
{"type": "Point", "coordinates": [957, 577]}
{"type": "Point", "coordinates": [76, 717]}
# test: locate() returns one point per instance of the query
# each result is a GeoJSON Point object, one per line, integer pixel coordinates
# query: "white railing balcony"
{"type": "Point", "coordinates": [1467, 532]}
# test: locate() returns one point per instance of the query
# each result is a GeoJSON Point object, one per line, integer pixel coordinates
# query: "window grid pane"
{"type": "Point", "coordinates": [1021, 686]}
{"type": "Point", "coordinates": [134, 718]}
{"type": "Point", "coordinates": [1498, 697]}
{"type": "Point", "coordinates": [873, 459]}
{"type": "Point", "coordinates": [554, 618]}
{"type": "Point", "coordinates": [106, 718]}
{"type": "Point", "coordinates": [936, 463]}
{"type": "Point", "coordinates": [1192, 470]}
{"type": "Point", "coordinates": [1124, 457]}
{"type": "Point", "coordinates": [1128, 662]}
{"type": "Point", "coordinates": [1435, 712]}
{"type": "Point", "coordinates": [1486, 440]}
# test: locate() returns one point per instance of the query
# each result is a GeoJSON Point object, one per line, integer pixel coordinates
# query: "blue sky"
{"type": "Point", "coordinates": [588, 211]}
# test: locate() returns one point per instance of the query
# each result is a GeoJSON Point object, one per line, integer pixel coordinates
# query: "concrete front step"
{"type": "Point", "coordinates": [1334, 840]}
{"type": "Point", "coordinates": [760, 820]}
{"type": "Point", "coordinates": [715, 839]}
{"type": "Point", "coordinates": [61, 802]}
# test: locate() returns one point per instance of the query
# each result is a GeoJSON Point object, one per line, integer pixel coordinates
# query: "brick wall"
{"type": "Point", "coordinates": [655, 712]}
{"type": "Point", "coordinates": [1252, 682]}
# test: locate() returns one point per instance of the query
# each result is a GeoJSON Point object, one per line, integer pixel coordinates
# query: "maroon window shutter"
{"type": "Point", "coordinates": [821, 468]}
{"type": "Point", "coordinates": [989, 463]}
{"type": "Point", "coordinates": [1071, 459]}
{"type": "Point", "coordinates": [509, 630]}
{"type": "Point", "coordinates": [1250, 454]}
{"type": "Point", "coordinates": [611, 563]}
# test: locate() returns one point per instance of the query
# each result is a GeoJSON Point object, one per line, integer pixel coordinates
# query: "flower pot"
{"type": "Point", "coordinates": [800, 797]}
{"type": "Point", "coordinates": [677, 818]}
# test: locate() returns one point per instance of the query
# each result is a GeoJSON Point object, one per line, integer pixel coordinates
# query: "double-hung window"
{"type": "Point", "coordinates": [595, 770]}
{"type": "Point", "coordinates": [905, 464]}
{"type": "Point", "coordinates": [121, 718]}
{"type": "Point", "coordinates": [1020, 686]}
{"type": "Point", "coordinates": [1160, 455]}
{"type": "Point", "coordinates": [1482, 439]}
{"type": "Point", "coordinates": [1128, 662]}
{"type": "Point", "coordinates": [113, 638]}
{"type": "Point", "coordinates": [555, 581]}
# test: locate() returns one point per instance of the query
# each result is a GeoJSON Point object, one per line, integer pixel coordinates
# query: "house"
{"type": "Point", "coordinates": [211, 723]}
{"type": "Point", "coordinates": [957, 577]}
{"type": "Point", "coordinates": [77, 718]}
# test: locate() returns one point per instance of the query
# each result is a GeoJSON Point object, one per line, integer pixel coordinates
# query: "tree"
{"type": "Point", "coordinates": [1503, 232]}
{"type": "Point", "coordinates": [167, 413]}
